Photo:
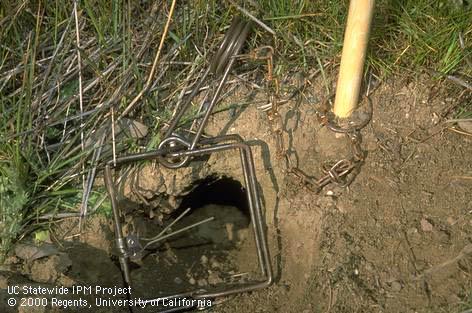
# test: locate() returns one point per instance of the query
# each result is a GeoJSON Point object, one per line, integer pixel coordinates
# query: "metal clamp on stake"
{"type": "Point", "coordinates": [176, 151]}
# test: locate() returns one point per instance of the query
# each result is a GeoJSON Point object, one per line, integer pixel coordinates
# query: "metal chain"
{"type": "Point", "coordinates": [341, 173]}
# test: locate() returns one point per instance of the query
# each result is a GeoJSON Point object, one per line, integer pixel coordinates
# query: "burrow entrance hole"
{"type": "Point", "coordinates": [216, 252]}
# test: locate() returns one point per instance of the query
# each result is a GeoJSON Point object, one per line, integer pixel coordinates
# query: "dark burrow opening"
{"type": "Point", "coordinates": [224, 191]}
{"type": "Point", "coordinates": [206, 256]}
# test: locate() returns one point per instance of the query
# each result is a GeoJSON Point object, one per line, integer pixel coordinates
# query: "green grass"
{"type": "Point", "coordinates": [423, 34]}
{"type": "Point", "coordinates": [41, 166]}
{"type": "Point", "coordinates": [406, 35]}
{"type": "Point", "coordinates": [466, 305]}
{"type": "Point", "coordinates": [13, 198]}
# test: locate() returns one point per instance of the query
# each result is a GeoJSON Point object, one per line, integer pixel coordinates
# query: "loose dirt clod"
{"type": "Point", "coordinates": [49, 270]}
{"type": "Point", "coordinates": [31, 252]}
{"type": "Point", "coordinates": [426, 226]}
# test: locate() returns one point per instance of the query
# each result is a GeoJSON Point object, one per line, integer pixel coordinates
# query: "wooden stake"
{"type": "Point", "coordinates": [356, 38]}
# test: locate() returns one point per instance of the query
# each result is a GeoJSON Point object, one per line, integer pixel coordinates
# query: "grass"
{"type": "Point", "coordinates": [466, 304]}
{"type": "Point", "coordinates": [46, 163]}
{"type": "Point", "coordinates": [425, 34]}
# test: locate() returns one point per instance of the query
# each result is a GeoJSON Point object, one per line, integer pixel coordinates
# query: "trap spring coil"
{"type": "Point", "coordinates": [220, 66]}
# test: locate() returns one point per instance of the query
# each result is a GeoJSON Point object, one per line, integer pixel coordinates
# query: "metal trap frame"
{"type": "Point", "coordinates": [177, 151]}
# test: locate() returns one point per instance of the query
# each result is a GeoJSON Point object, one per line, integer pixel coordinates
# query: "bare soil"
{"type": "Point", "coordinates": [398, 239]}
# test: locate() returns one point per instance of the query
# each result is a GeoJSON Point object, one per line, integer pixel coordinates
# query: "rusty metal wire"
{"type": "Point", "coordinates": [342, 172]}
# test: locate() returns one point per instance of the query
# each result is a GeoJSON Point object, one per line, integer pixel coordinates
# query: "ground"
{"type": "Point", "coordinates": [398, 239]}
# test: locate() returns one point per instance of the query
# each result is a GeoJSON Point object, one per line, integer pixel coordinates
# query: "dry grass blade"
{"type": "Point", "coordinates": [459, 131]}
{"type": "Point", "coordinates": [457, 80]}
{"type": "Point", "coordinates": [154, 64]}
{"type": "Point", "coordinates": [53, 59]}
{"type": "Point", "coordinates": [81, 105]}
{"type": "Point", "coordinates": [252, 17]}
{"type": "Point", "coordinates": [465, 252]}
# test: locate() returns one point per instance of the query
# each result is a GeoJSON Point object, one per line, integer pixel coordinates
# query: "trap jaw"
{"type": "Point", "coordinates": [176, 151]}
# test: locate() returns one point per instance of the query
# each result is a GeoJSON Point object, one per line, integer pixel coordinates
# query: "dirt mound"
{"type": "Point", "coordinates": [397, 240]}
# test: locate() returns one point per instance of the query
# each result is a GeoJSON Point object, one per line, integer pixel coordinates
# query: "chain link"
{"type": "Point", "coordinates": [341, 173]}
